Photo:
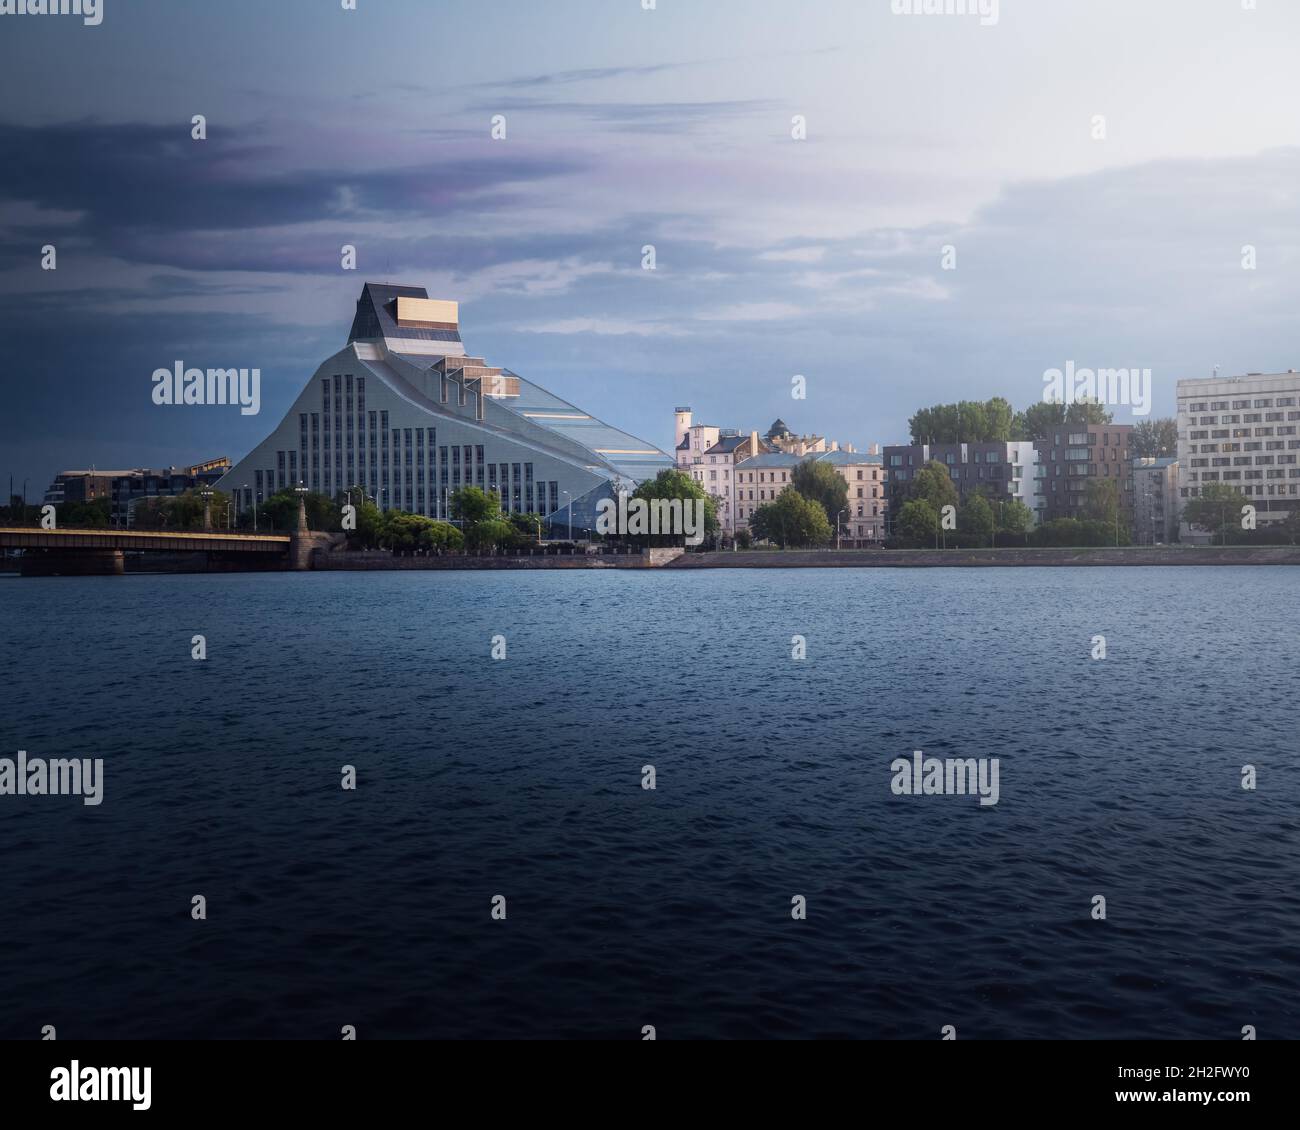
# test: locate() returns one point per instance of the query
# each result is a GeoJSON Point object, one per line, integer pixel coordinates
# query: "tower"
{"type": "Point", "coordinates": [684, 419]}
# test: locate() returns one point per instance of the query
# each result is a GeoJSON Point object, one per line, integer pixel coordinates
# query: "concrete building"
{"type": "Point", "coordinates": [1155, 501]}
{"type": "Point", "coordinates": [716, 472]}
{"type": "Point", "coordinates": [868, 498]}
{"type": "Point", "coordinates": [692, 440]}
{"type": "Point", "coordinates": [761, 478]}
{"type": "Point", "coordinates": [405, 413]}
{"type": "Point", "coordinates": [1073, 455]}
{"type": "Point", "coordinates": [1241, 431]}
{"type": "Point", "coordinates": [1002, 471]}
{"type": "Point", "coordinates": [779, 437]}
{"type": "Point", "coordinates": [124, 489]}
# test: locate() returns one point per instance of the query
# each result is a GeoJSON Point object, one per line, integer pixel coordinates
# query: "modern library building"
{"type": "Point", "coordinates": [403, 412]}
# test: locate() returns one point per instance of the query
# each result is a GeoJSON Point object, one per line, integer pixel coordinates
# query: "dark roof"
{"type": "Point", "coordinates": [375, 316]}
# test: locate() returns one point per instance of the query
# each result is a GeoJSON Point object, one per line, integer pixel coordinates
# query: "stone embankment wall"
{"type": "Point", "coordinates": [990, 558]}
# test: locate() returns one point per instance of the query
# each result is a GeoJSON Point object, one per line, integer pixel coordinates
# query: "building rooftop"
{"type": "Point", "coordinates": [773, 459]}
{"type": "Point", "coordinates": [842, 458]}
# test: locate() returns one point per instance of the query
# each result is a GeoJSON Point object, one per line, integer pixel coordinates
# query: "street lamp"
{"type": "Point", "coordinates": [569, 506]}
{"type": "Point", "coordinates": [839, 526]}
{"type": "Point", "coordinates": [301, 491]}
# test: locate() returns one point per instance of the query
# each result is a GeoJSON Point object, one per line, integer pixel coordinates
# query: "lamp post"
{"type": "Point", "coordinates": [569, 507]}
{"type": "Point", "coordinates": [301, 492]}
{"type": "Point", "coordinates": [839, 526]}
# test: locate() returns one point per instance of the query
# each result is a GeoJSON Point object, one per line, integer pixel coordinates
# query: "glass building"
{"type": "Point", "coordinates": [405, 413]}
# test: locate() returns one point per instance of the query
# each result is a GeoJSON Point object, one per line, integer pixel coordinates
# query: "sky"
{"type": "Point", "coordinates": [673, 127]}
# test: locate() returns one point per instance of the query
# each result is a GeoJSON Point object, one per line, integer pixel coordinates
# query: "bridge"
{"type": "Point", "coordinates": [96, 551]}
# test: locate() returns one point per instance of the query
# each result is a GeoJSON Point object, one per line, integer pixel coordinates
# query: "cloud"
{"type": "Point", "coordinates": [751, 312]}
{"type": "Point", "coordinates": [606, 327]}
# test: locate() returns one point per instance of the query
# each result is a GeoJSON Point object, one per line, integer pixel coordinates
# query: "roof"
{"type": "Point", "coordinates": [726, 445]}
{"type": "Point", "coordinates": [846, 458]}
{"type": "Point", "coordinates": [772, 459]}
{"type": "Point", "coordinates": [376, 319]}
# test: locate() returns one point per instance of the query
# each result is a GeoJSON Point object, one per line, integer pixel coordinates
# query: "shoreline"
{"type": "Point", "coordinates": [1054, 557]}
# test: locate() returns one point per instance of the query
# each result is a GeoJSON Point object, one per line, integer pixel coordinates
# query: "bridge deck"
{"type": "Point", "coordinates": [29, 537]}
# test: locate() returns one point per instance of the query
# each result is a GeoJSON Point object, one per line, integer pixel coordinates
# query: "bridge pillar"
{"type": "Point", "coordinates": [73, 563]}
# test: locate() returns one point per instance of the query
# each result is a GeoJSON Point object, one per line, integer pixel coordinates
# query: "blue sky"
{"type": "Point", "coordinates": [628, 127]}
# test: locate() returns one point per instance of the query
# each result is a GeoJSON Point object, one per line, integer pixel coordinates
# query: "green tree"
{"type": "Point", "coordinates": [934, 484]}
{"type": "Point", "coordinates": [791, 521]}
{"type": "Point", "coordinates": [95, 513]}
{"type": "Point", "coordinates": [1217, 510]}
{"type": "Point", "coordinates": [1101, 505]}
{"type": "Point", "coordinates": [404, 533]}
{"type": "Point", "coordinates": [822, 483]}
{"type": "Point", "coordinates": [968, 421]}
{"type": "Point", "coordinates": [439, 537]}
{"type": "Point", "coordinates": [917, 520]}
{"type": "Point", "coordinates": [1037, 421]}
{"type": "Point", "coordinates": [975, 518]}
{"type": "Point", "coordinates": [1155, 438]}
{"type": "Point", "coordinates": [527, 526]}
{"type": "Point", "coordinates": [178, 511]}
{"type": "Point", "coordinates": [369, 526]}
{"type": "Point", "coordinates": [1087, 411]}
{"type": "Point", "coordinates": [280, 512]}
{"type": "Point", "coordinates": [670, 484]}
{"type": "Point", "coordinates": [490, 535]}
{"type": "Point", "coordinates": [1288, 530]}
{"type": "Point", "coordinates": [1015, 520]}
{"type": "Point", "coordinates": [471, 504]}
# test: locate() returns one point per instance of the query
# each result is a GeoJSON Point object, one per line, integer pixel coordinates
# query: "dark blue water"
{"type": "Point", "coordinates": [626, 907]}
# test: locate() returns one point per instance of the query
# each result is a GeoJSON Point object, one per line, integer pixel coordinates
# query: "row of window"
{"type": "Point", "coordinates": [1273, 490]}
{"type": "Point", "coordinates": [1227, 476]}
{"type": "Point", "coordinates": [1243, 460]}
{"type": "Point", "coordinates": [1225, 406]}
{"type": "Point", "coordinates": [1255, 445]}
{"type": "Point", "coordinates": [1246, 418]}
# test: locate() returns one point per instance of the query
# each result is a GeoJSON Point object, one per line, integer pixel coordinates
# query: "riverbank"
{"type": "Point", "coordinates": [990, 558]}
{"type": "Point", "coordinates": [378, 561]}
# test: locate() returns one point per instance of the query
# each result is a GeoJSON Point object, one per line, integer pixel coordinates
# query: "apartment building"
{"type": "Point", "coordinates": [1002, 471]}
{"type": "Point", "coordinates": [1155, 501]}
{"type": "Point", "coordinates": [1072, 456]}
{"type": "Point", "coordinates": [1241, 431]}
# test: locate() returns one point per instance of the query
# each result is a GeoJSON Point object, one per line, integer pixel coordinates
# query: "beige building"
{"type": "Point", "coordinates": [691, 440]}
{"type": "Point", "coordinates": [761, 478]}
{"type": "Point", "coordinates": [743, 472]}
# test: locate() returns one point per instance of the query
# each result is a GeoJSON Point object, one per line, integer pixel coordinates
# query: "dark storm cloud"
{"type": "Point", "coordinates": [138, 188]}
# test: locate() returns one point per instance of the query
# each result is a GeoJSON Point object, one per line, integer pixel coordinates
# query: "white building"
{"type": "Point", "coordinates": [1241, 431]}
